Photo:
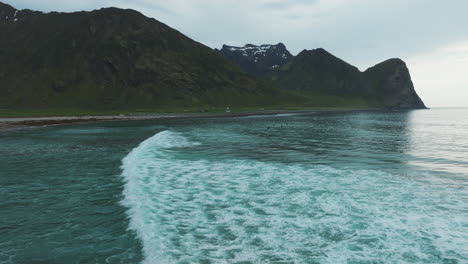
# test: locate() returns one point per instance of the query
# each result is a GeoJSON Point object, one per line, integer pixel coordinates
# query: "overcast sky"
{"type": "Point", "coordinates": [431, 36]}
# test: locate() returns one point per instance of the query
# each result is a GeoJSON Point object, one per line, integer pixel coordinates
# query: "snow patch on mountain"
{"type": "Point", "coordinates": [257, 60]}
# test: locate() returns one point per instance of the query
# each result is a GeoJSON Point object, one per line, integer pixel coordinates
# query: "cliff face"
{"type": "Point", "coordinates": [257, 60]}
{"type": "Point", "coordinates": [386, 85]}
{"type": "Point", "coordinates": [389, 83]}
{"type": "Point", "coordinates": [113, 58]}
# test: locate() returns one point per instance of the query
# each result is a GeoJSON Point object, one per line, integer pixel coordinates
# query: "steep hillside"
{"type": "Point", "coordinates": [113, 59]}
{"type": "Point", "coordinates": [318, 71]}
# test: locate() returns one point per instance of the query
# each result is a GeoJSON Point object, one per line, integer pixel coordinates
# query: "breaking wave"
{"type": "Point", "coordinates": [186, 210]}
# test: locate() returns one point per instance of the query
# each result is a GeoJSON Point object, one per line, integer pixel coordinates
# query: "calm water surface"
{"type": "Point", "coordinates": [295, 188]}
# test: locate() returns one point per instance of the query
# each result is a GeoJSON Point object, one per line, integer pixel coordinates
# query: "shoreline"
{"type": "Point", "coordinates": [8, 123]}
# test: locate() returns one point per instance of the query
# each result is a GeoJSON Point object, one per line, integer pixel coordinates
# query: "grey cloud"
{"type": "Point", "coordinates": [276, 4]}
{"type": "Point", "coordinates": [54, 5]}
{"type": "Point", "coordinates": [142, 5]}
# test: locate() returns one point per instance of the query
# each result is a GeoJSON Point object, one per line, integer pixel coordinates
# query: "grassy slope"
{"type": "Point", "coordinates": [113, 61]}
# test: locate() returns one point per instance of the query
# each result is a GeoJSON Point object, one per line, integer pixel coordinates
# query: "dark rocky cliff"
{"type": "Point", "coordinates": [390, 84]}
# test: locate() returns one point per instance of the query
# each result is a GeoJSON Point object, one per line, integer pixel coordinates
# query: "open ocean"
{"type": "Point", "coordinates": [355, 187]}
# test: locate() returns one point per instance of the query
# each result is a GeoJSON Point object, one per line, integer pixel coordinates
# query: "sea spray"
{"type": "Point", "coordinates": [137, 169]}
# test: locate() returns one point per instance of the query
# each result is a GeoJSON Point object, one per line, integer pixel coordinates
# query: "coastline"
{"type": "Point", "coordinates": [7, 123]}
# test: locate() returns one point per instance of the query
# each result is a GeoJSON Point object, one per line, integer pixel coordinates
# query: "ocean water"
{"type": "Point", "coordinates": [355, 187]}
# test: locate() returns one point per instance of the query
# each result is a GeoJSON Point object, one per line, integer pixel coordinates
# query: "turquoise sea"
{"type": "Point", "coordinates": [354, 187]}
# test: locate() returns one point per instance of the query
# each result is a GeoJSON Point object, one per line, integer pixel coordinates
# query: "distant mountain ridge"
{"type": "Point", "coordinates": [317, 72]}
{"type": "Point", "coordinates": [258, 60]}
{"type": "Point", "coordinates": [387, 84]}
{"type": "Point", "coordinates": [116, 59]}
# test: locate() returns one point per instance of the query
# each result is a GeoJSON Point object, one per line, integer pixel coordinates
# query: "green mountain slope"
{"type": "Point", "coordinates": [114, 59]}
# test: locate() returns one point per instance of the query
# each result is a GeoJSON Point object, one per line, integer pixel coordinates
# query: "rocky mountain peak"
{"type": "Point", "coordinates": [9, 14]}
{"type": "Point", "coordinates": [258, 60]}
{"type": "Point", "coordinates": [322, 62]}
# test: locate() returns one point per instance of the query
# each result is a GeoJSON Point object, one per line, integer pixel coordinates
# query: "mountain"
{"type": "Point", "coordinates": [317, 72]}
{"type": "Point", "coordinates": [327, 80]}
{"type": "Point", "coordinates": [257, 60]}
{"type": "Point", "coordinates": [114, 59]}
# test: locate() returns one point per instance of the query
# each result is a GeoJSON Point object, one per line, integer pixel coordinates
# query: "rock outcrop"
{"type": "Point", "coordinates": [389, 84]}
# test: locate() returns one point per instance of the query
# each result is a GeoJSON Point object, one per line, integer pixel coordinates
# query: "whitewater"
{"type": "Point", "coordinates": [190, 210]}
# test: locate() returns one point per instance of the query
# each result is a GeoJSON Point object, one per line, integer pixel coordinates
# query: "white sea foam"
{"type": "Point", "coordinates": [190, 211]}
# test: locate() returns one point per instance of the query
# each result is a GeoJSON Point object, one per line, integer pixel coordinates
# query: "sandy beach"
{"type": "Point", "coordinates": [23, 122]}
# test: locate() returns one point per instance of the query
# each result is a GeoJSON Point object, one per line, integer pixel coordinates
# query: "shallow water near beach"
{"type": "Point", "coordinates": [355, 187]}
